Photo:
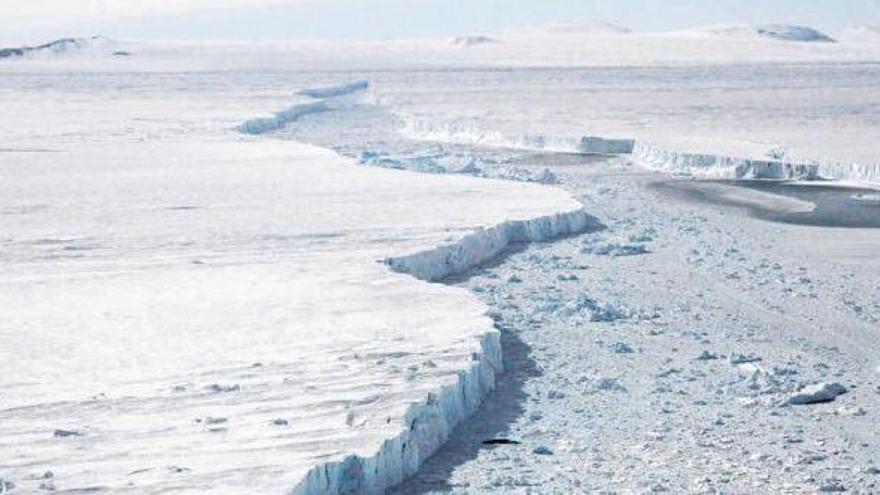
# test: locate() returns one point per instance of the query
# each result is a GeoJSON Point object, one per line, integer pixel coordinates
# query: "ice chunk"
{"type": "Point", "coordinates": [818, 393]}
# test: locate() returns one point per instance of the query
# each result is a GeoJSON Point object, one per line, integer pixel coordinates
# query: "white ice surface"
{"type": "Point", "coordinates": [169, 289]}
{"type": "Point", "coordinates": [130, 202]}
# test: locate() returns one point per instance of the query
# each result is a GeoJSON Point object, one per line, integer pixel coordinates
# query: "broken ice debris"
{"type": "Point", "coordinates": [542, 450]}
{"type": "Point", "coordinates": [816, 394]}
{"type": "Point", "coordinates": [707, 356]}
{"type": "Point", "coordinates": [737, 358]}
{"type": "Point", "coordinates": [66, 433]}
{"type": "Point", "coordinates": [614, 249]}
{"type": "Point", "coordinates": [621, 348]}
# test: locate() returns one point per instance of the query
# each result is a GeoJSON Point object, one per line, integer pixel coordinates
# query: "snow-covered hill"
{"type": "Point", "coordinates": [472, 40]}
{"type": "Point", "coordinates": [100, 44]}
{"type": "Point", "coordinates": [778, 32]}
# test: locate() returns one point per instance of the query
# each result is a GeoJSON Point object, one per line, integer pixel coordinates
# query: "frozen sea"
{"type": "Point", "coordinates": [201, 287]}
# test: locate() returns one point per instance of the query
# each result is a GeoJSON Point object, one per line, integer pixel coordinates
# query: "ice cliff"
{"type": "Point", "coordinates": [428, 423]}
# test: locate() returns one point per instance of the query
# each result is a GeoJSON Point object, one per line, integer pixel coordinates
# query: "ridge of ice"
{"type": "Point", "coordinates": [481, 246]}
{"type": "Point", "coordinates": [712, 165]}
{"type": "Point", "coordinates": [716, 160]}
{"type": "Point", "coordinates": [335, 91]}
{"type": "Point", "coordinates": [470, 133]}
{"type": "Point", "coordinates": [728, 159]}
{"type": "Point", "coordinates": [325, 99]}
{"type": "Point", "coordinates": [280, 119]}
{"type": "Point", "coordinates": [718, 165]}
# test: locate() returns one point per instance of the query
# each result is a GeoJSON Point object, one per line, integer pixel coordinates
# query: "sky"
{"type": "Point", "coordinates": [267, 20]}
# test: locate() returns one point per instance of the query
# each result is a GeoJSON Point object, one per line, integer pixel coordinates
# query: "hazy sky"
{"type": "Point", "coordinates": [378, 19]}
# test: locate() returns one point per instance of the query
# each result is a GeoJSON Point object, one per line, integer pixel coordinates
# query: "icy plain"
{"type": "Point", "coordinates": [186, 308]}
{"type": "Point", "coordinates": [254, 337]}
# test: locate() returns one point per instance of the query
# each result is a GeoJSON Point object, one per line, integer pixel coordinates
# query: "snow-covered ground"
{"type": "Point", "coordinates": [192, 299]}
{"type": "Point", "coordinates": [186, 308]}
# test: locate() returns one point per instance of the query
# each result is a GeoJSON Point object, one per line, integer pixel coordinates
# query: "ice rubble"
{"type": "Point", "coordinates": [817, 394]}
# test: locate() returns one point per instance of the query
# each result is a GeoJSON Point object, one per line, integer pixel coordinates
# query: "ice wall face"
{"type": "Point", "coordinates": [724, 166]}
{"type": "Point", "coordinates": [431, 422]}
{"type": "Point", "coordinates": [282, 118]}
{"type": "Point", "coordinates": [720, 166]}
{"type": "Point", "coordinates": [477, 248]}
{"type": "Point", "coordinates": [471, 132]}
{"type": "Point", "coordinates": [427, 426]}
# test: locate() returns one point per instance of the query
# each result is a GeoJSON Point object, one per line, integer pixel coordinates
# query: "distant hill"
{"type": "Point", "coordinates": [779, 32]}
{"type": "Point", "coordinates": [472, 40]}
{"type": "Point", "coordinates": [59, 46]}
